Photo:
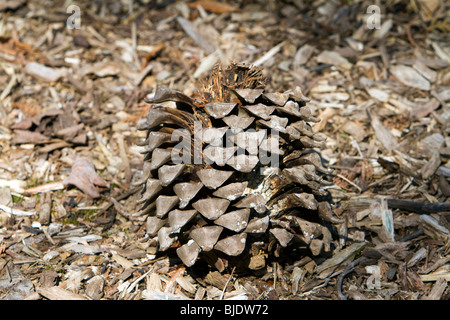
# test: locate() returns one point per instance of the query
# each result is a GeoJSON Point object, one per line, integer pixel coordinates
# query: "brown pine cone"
{"type": "Point", "coordinates": [233, 171]}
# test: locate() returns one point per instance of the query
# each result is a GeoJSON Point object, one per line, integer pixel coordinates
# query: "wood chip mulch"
{"type": "Point", "coordinates": [70, 99]}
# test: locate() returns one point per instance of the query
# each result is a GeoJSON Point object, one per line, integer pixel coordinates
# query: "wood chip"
{"type": "Point", "coordinates": [382, 133]}
{"type": "Point", "coordinates": [42, 72]}
{"type": "Point", "coordinates": [341, 256]}
{"type": "Point", "coordinates": [410, 77]}
{"type": "Point", "coordinates": [58, 293]}
{"type": "Point", "coordinates": [192, 31]}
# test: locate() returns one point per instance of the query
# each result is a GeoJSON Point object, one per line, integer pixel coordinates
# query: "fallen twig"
{"type": "Point", "coordinates": [418, 207]}
{"type": "Point", "coordinates": [412, 235]}
{"type": "Point", "coordinates": [226, 285]}
{"type": "Point", "coordinates": [344, 273]}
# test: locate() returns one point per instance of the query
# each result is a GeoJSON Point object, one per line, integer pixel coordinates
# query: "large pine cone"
{"type": "Point", "coordinates": [232, 172]}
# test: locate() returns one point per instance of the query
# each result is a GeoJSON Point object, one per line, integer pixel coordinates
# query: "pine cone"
{"type": "Point", "coordinates": [232, 172]}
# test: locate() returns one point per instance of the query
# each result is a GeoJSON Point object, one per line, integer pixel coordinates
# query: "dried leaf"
{"type": "Point", "coordinates": [213, 6]}
{"type": "Point", "coordinates": [25, 136]}
{"type": "Point", "coordinates": [84, 176]}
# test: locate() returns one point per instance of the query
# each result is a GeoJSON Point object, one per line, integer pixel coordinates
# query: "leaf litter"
{"type": "Point", "coordinates": [69, 104]}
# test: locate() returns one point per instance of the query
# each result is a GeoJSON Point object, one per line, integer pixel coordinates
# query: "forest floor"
{"type": "Point", "coordinates": [72, 84]}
